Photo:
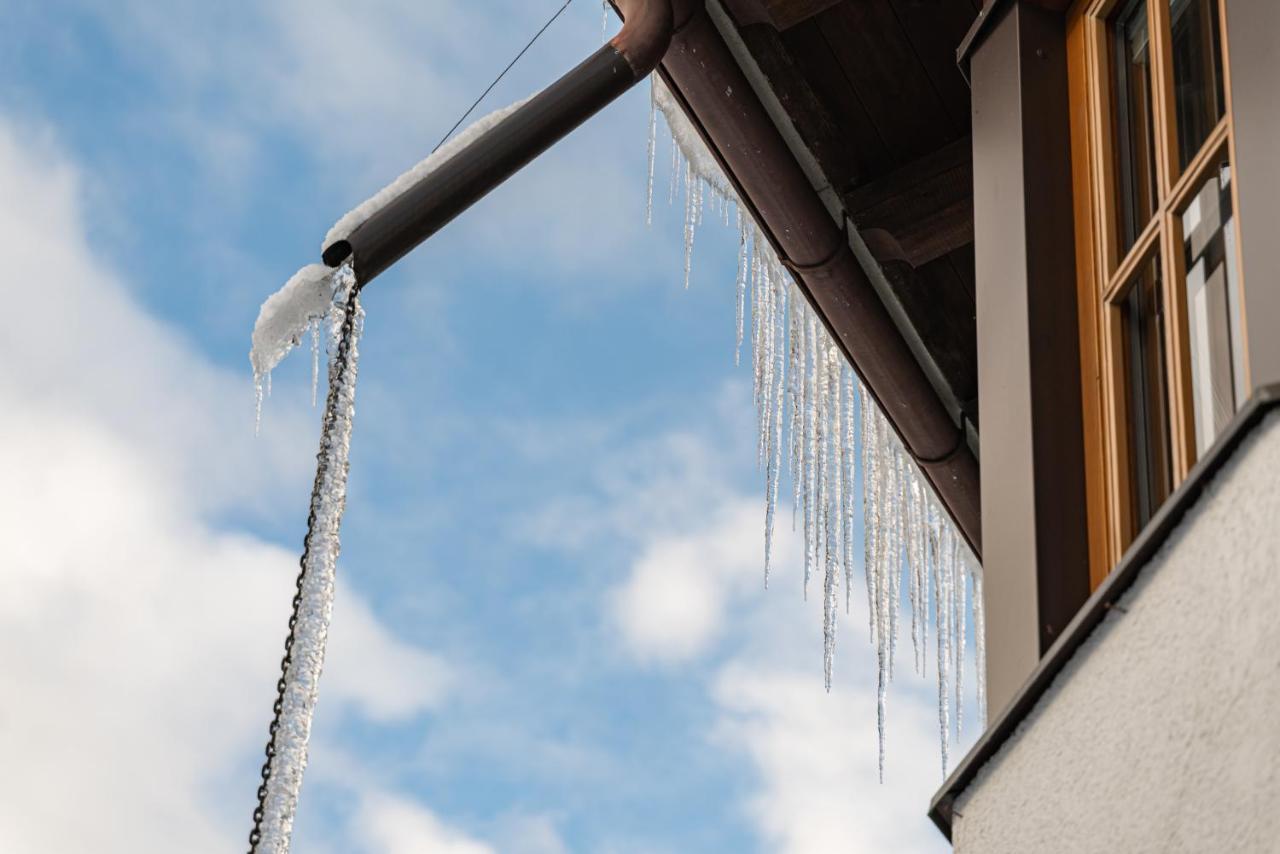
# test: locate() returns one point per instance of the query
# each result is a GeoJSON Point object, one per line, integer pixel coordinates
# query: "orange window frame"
{"type": "Point", "coordinates": [1105, 270]}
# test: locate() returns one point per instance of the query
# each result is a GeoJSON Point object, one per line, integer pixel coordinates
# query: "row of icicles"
{"type": "Point", "coordinates": [817, 421]}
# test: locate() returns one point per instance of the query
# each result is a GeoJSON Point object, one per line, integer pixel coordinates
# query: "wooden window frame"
{"type": "Point", "coordinates": [1104, 271]}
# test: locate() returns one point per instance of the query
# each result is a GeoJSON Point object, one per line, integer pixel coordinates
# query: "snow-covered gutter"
{"type": "Point", "coordinates": [428, 197]}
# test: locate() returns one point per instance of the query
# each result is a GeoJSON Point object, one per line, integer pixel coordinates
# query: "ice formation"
{"type": "Point", "coordinates": [282, 321]}
{"type": "Point", "coordinates": [356, 216]}
{"type": "Point", "coordinates": [841, 454]}
{"type": "Point", "coordinates": [313, 604]}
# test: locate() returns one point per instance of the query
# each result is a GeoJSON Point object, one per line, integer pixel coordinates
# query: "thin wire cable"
{"type": "Point", "coordinates": [498, 79]}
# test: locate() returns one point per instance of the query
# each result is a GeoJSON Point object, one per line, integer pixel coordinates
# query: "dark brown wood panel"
{"type": "Point", "coordinates": [926, 206]}
{"type": "Point", "coordinates": [865, 149]}
{"type": "Point", "coordinates": [945, 316]}
{"type": "Point", "coordinates": [962, 261]}
{"type": "Point", "coordinates": [788, 13]}
{"type": "Point", "coordinates": [935, 29]}
{"type": "Point", "coordinates": [881, 66]}
{"type": "Point", "coordinates": [808, 112]}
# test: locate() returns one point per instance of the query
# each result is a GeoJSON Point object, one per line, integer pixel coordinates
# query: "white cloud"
{"type": "Point", "coordinates": [673, 604]}
{"type": "Point", "coordinates": [695, 597]}
{"type": "Point", "coordinates": [393, 825]}
{"type": "Point", "coordinates": [530, 834]}
{"type": "Point", "coordinates": [139, 642]}
{"type": "Point", "coordinates": [817, 788]}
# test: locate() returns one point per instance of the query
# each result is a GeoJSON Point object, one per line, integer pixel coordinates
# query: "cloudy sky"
{"type": "Point", "coordinates": [551, 633]}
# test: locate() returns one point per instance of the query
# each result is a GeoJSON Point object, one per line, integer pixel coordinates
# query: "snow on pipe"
{"type": "Point", "coordinates": [426, 198]}
{"type": "Point", "coordinates": [835, 440]}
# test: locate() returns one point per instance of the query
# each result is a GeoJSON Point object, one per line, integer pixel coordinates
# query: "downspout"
{"type": "Point", "coordinates": [702, 72]}
{"type": "Point", "coordinates": [434, 201]}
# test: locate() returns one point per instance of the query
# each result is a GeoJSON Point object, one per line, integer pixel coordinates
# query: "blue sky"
{"type": "Point", "coordinates": [550, 633]}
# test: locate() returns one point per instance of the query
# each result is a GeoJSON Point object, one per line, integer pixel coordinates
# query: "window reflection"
{"type": "Point", "coordinates": [1150, 466]}
{"type": "Point", "coordinates": [1213, 307]}
{"type": "Point", "coordinates": [1136, 166]}
{"type": "Point", "coordinates": [1197, 73]}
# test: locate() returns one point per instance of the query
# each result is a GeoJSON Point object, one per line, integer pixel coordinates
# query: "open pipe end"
{"type": "Point", "coordinates": [335, 253]}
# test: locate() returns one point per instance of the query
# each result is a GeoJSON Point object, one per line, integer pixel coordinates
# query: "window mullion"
{"type": "Point", "coordinates": [1162, 98]}
{"type": "Point", "coordinates": [1182, 428]}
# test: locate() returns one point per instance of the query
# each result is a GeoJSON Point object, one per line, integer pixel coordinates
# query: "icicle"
{"type": "Point", "coordinates": [849, 451]}
{"type": "Point", "coordinates": [765, 391]}
{"type": "Point", "coordinates": [741, 287]}
{"type": "Point", "coordinates": [979, 643]}
{"type": "Point", "coordinates": [833, 497]}
{"type": "Point", "coordinates": [895, 548]}
{"type": "Point", "coordinates": [885, 575]}
{"type": "Point", "coordinates": [757, 323]}
{"type": "Point", "coordinates": [775, 458]}
{"type": "Point", "coordinates": [942, 619]}
{"type": "Point", "coordinates": [258, 389]}
{"type": "Point", "coordinates": [916, 562]}
{"type": "Point", "coordinates": [689, 222]}
{"type": "Point", "coordinates": [675, 171]}
{"type": "Point", "coordinates": [961, 630]}
{"type": "Point", "coordinates": [309, 632]}
{"type": "Point", "coordinates": [797, 348]}
{"type": "Point", "coordinates": [870, 514]}
{"type": "Point", "coordinates": [810, 447]}
{"type": "Point", "coordinates": [653, 141]}
{"type": "Point", "coordinates": [315, 361]}
{"type": "Point", "coordinates": [835, 479]}
{"type": "Point", "coordinates": [822, 556]}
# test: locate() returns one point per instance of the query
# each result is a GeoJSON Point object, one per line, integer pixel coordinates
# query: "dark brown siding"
{"type": "Point", "coordinates": [1033, 501]}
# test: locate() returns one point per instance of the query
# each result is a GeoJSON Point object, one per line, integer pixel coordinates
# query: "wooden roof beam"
{"type": "Point", "coordinates": [921, 212]}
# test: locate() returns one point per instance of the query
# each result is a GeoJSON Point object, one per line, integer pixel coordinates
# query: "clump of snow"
{"type": "Point", "coordinates": [356, 217]}
{"type": "Point", "coordinates": [836, 439]}
{"type": "Point", "coordinates": [701, 162]}
{"type": "Point", "coordinates": [285, 317]}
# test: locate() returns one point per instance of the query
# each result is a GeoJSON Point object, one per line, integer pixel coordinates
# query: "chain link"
{"type": "Point", "coordinates": [336, 370]}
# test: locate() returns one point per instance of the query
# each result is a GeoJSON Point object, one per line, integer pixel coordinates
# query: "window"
{"type": "Point", "coordinates": [1142, 331]}
{"type": "Point", "coordinates": [1160, 296]}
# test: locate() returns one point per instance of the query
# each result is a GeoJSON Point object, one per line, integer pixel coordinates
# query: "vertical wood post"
{"type": "Point", "coordinates": [1035, 552]}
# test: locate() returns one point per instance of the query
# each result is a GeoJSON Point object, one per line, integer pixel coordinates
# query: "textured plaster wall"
{"type": "Point", "coordinates": [1163, 733]}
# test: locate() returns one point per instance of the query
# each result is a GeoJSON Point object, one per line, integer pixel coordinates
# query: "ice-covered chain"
{"type": "Point", "coordinates": [337, 408]}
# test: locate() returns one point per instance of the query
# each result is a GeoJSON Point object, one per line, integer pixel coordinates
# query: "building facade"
{"type": "Point", "coordinates": [1066, 301]}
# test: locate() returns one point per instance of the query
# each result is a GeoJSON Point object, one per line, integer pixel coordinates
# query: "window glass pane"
{"type": "Point", "coordinates": [1136, 167]}
{"type": "Point", "coordinates": [1197, 73]}
{"type": "Point", "coordinates": [1150, 468]}
{"type": "Point", "coordinates": [1213, 307]}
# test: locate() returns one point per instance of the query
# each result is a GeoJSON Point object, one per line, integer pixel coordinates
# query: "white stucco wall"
{"type": "Point", "coordinates": [1163, 732]}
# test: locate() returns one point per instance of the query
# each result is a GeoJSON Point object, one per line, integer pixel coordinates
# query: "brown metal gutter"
{"type": "Point", "coordinates": [428, 205]}
{"type": "Point", "coordinates": [702, 72]}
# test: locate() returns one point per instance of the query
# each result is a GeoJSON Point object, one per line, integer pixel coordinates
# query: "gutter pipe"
{"type": "Point", "coordinates": [428, 205]}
